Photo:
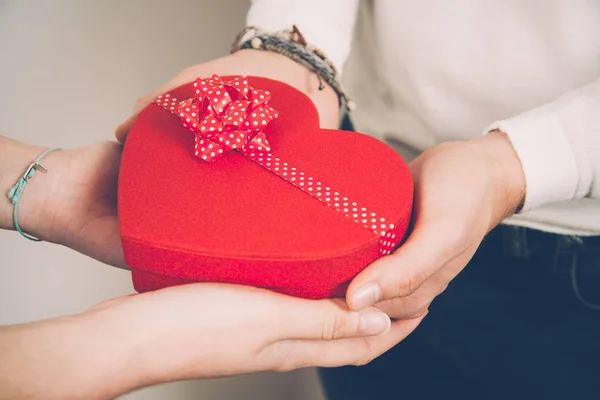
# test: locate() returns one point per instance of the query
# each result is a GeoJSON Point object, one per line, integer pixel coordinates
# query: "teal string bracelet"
{"type": "Point", "coordinates": [14, 194]}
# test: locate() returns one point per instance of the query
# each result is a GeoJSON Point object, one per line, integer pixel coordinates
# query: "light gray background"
{"type": "Point", "coordinates": [70, 71]}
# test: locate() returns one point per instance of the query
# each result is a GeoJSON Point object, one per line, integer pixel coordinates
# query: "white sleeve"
{"type": "Point", "coordinates": [559, 147]}
{"type": "Point", "coordinates": [325, 24]}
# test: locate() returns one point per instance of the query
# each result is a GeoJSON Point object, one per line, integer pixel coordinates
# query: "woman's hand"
{"type": "Point", "coordinates": [462, 191]}
{"type": "Point", "coordinates": [186, 332]}
{"type": "Point", "coordinates": [73, 204]}
{"type": "Point", "coordinates": [257, 63]}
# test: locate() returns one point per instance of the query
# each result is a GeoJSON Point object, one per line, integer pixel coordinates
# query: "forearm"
{"type": "Point", "coordinates": [75, 357]}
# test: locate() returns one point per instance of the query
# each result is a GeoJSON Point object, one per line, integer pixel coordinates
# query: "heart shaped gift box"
{"type": "Point", "coordinates": [252, 191]}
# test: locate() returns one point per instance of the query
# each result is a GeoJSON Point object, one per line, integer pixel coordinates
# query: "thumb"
{"type": "Point", "coordinates": [330, 320]}
{"type": "Point", "coordinates": [184, 77]}
{"type": "Point", "coordinates": [400, 274]}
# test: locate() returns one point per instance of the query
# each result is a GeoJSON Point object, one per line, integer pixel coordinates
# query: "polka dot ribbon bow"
{"type": "Point", "coordinates": [233, 116]}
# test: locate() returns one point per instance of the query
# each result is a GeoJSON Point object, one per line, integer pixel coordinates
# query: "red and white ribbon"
{"type": "Point", "coordinates": [231, 116]}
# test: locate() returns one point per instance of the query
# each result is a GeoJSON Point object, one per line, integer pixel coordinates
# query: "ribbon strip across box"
{"type": "Point", "coordinates": [232, 180]}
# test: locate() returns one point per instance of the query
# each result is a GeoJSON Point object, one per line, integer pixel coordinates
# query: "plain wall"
{"type": "Point", "coordinates": [70, 71]}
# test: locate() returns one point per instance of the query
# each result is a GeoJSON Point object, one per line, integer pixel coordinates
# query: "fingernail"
{"type": "Point", "coordinates": [373, 322]}
{"type": "Point", "coordinates": [366, 296]}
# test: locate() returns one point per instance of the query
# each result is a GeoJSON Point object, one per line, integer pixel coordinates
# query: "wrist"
{"type": "Point", "coordinates": [110, 343]}
{"type": "Point", "coordinates": [506, 171]}
{"type": "Point", "coordinates": [14, 160]}
{"type": "Point", "coordinates": [277, 66]}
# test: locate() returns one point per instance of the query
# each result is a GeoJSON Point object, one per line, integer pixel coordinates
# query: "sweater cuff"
{"type": "Point", "coordinates": [327, 25]}
{"type": "Point", "coordinates": [545, 152]}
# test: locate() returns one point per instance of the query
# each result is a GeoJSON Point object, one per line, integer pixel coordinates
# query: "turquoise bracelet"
{"type": "Point", "coordinates": [14, 194]}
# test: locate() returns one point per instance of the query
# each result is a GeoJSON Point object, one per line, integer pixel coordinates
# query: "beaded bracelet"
{"type": "Point", "coordinates": [293, 45]}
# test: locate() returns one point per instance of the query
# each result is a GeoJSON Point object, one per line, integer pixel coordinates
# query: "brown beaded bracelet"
{"type": "Point", "coordinates": [293, 45]}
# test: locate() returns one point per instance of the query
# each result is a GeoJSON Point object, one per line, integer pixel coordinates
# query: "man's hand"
{"type": "Point", "coordinates": [186, 332]}
{"type": "Point", "coordinates": [250, 62]}
{"type": "Point", "coordinates": [462, 191]}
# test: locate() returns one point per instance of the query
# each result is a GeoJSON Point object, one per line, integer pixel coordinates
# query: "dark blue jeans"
{"type": "Point", "coordinates": [518, 323]}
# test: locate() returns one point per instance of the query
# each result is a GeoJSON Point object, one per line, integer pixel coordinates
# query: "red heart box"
{"type": "Point", "coordinates": [183, 219]}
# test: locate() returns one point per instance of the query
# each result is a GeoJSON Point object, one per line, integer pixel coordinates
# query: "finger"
{"type": "Point", "coordinates": [418, 303]}
{"type": "Point", "coordinates": [429, 247]}
{"type": "Point", "coordinates": [123, 129]}
{"type": "Point", "coordinates": [329, 320]}
{"type": "Point", "coordinates": [407, 307]}
{"type": "Point", "coordinates": [336, 353]}
{"type": "Point", "coordinates": [184, 77]}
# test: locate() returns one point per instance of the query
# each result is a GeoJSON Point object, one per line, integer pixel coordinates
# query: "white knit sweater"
{"type": "Point", "coordinates": [428, 71]}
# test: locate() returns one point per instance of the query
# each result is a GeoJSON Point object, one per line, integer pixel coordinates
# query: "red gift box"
{"type": "Point", "coordinates": [252, 191]}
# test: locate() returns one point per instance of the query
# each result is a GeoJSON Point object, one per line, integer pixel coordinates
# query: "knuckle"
{"type": "Point", "coordinates": [334, 326]}
{"type": "Point", "coordinates": [407, 285]}
{"type": "Point", "coordinates": [392, 307]}
{"type": "Point", "coordinates": [418, 313]}
{"type": "Point", "coordinates": [405, 308]}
